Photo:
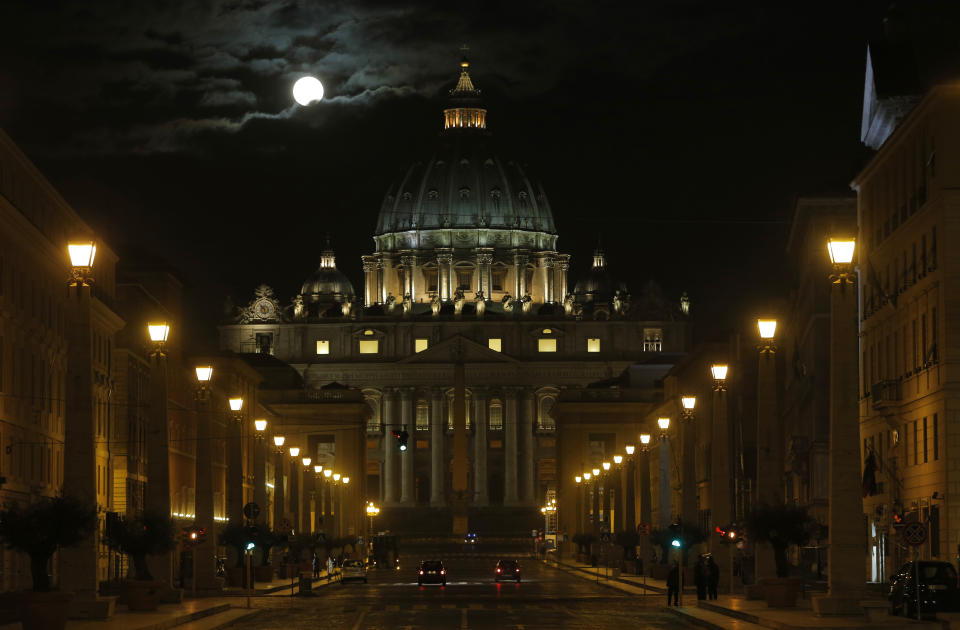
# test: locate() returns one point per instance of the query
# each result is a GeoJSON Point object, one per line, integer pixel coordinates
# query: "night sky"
{"type": "Point", "coordinates": [679, 132]}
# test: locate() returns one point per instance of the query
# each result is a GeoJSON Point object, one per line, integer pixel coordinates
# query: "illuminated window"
{"type": "Point", "coordinates": [547, 345]}
{"type": "Point", "coordinates": [593, 344]}
{"type": "Point", "coordinates": [369, 346]}
{"type": "Point", "coordinates": [547, 331]}
{"type": "Point", "coordinates": [323, 346]}
{"type": "Point", "coordinates": [495, 422]}
{"type": "Point", "coordinates": [464, 278]}
{"type": "Point", "coordinates": [499, 277]}
{"type": "Point", "coordinates": [545, 421]}
{"type": "Point", "coordinates": [430, 279]}
{"type": "Point", "coordinates": [419, 345]}
{"type": "Point", "coordinates": [652, 339]}
{"type": "Point", "coordinates": [423, 416]}
{"type": "Point", "coordinates": [368, 333]}
{"type": "Point", "coordinates": [495, 343]}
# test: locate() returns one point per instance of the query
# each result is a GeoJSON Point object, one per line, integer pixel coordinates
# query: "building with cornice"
{"type": "Point", "coordinates": [466, 278]}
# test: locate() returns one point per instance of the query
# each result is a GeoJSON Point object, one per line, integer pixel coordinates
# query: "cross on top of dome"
{"type": "Point", "coordinates": [465, 111]}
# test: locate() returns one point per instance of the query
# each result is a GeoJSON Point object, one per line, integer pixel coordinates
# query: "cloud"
{"type": "Point", "coordinates": [233, 97]}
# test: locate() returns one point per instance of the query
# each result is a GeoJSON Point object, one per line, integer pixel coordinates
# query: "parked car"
{"type": "Point", "coordinates": [938, 588]}
{"type": "Point", "coordinates": [432, 571]}
{"type": "Point", "coordinates": [353, 570]}
{"type": "Point", "coordinates": [471, 538]}
{"type": "Point", "coordinates": [507, 570]}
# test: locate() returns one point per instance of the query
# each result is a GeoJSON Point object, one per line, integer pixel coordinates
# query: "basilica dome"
{"type": "Point", "coordinates": [465, 188]}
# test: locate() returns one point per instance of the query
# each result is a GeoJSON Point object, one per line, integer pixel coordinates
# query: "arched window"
{"type": "Point", "coordinates": [529, 278]}
{"type": "Point", "coordinates": [464, 277]}
{"type": "Point", "coordinates": [373, 401]}
{"type": "Point", "coordinates": [469, 405]}
{"type": "Point", "coordinates": [496, 415]}
{"type": "Point", "coordinates": [498, 276]}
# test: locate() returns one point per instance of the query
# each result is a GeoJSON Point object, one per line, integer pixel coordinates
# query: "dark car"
{"type": "Point", "coordinates": [507, 570]}
{"type": "Point", "coordinates": [432, 572]}
{"type": "Point", "coordinates": [938, 588]}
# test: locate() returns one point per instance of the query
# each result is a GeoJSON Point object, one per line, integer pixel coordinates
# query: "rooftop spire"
{"type": "Point", "coordinates": [327, 257]}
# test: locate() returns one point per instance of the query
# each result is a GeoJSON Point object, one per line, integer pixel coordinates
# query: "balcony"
{"type": "Point", "coordinates": [885, 394]}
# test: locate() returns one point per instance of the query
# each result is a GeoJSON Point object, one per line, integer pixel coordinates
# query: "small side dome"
{"type": "Point", "coordinates": [598, 285]}
{"type": "Point", "coordinates": [327, 284]}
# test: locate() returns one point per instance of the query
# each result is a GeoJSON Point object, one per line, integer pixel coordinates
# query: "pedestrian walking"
{"type": "Point", "coordinates": [329, 568]}
{"type": "Point", "coordinates": [316, 567]}
{"type": "Point", "coordinates": [714, 580]}
{"type": "Point", "coordinates": [701, 575]}
{"type": "Point", "coordinates": [673, 585]}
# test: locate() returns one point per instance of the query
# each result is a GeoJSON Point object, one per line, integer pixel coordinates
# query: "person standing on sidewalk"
{"type": "Point", "coordinates": [714, 581]}
{"type": "Point", "coordinates": [673, 585]}
{"type": "Point", "coordinates": [701, 575]}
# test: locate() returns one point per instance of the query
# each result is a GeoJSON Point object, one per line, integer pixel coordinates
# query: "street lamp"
{"type": "Point", "coordinates": [345, 480]}
{"type": "Point", "coordinates": [664, 424]}
{"type": "Point", "coordinates": [841, 257]}
{"type": "Point", "coordinates": [578, 478]}
{"type": "Point", "coordinates": [629, 448]}
{"type": "Point", "coordinates": [719, 372]}
{"type": "Point", "coordinates": [617, 459]}
{"type": "Point", "coordinates": [767, 329]}
{"type": "Point", "coordinates": [688, 404]}
{"type": "Point", "coordinates": [318, 470]}
{"type": "Point", "coordinates": [372, 510]}
{"type": "Point", "coordinates": [158, 333]}
{"type": "Point", "coordinates": [586, 476]}
{"type": "Point", "coordinates": [336, 477]}
{"type": "Point", "coordinates": [278, 441]}
{"type": "Point", "coordinates": [606, 466]}
{"type": "Point", "coordinates": [260, 425]}
{"type": "Point", "coordinates": [596, 472]}
{"type": "Point", "coordinates": [204, 375]}
{"type": "Point", "coordinates": [327, 473]}
{"type": "Point", "coordinates": [236, 404]}
{"type": "Point", "coordinates": [644, 442]}
{"type": "Point", "coordinates": [306, 462]}
{"type": "Point", "coordinates": [294, 451]}
{"type": "Point", "coordinates": [82, 254]}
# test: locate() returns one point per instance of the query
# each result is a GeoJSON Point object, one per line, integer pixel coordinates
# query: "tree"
{"type": "Point", "coordinates": [148, 534]}
{"type": "Point", "coordinates": [41, 528]}
{"type": "Point", "coordinates": [780, 526]}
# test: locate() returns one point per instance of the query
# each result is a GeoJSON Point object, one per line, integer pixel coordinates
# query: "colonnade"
{"type": "Point", "coordinates": [399, 477]}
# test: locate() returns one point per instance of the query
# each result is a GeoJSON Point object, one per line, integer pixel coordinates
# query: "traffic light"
{"type": "Point", "coordinates": [676, 532]}
{"type": "Point", "coordinates": [253, 536]}
{"type": "Point", "coordinates": [401, 436]}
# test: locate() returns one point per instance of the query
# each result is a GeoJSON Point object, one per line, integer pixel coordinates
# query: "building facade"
{"type": "Point", "coordinates": [466, 273]}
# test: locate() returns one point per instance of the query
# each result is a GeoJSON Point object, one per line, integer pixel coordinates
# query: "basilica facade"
{"type": "Point", "coordinates": [466, 275]}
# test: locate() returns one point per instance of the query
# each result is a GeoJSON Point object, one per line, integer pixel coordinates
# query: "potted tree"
{"type": "Point", "coordinates": [235, 537]}
{"type": "Point", "coordinates": [267, 540]}
{"type": "Point", "coordinates": [780, 526]}
{"type": "Point", "coordinates": [628, 540]}
{"type": "Point", "coordinates": [38, 530]}
{"type": "Point", "coordinates": [147, 534]}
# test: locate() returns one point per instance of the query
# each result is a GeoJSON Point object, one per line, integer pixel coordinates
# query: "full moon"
{"type": "Point", "coordinates": [307, 90]}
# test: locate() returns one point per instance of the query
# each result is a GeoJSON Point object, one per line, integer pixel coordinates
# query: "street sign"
{"type": "Point", "coordinates": [915, 534]}
{"type": "Point", "coordinates": [643, 529]}
{"type": "Point", "coordinates": [251, 510]}
{"type": "Point", "coordinates": [284, 526]}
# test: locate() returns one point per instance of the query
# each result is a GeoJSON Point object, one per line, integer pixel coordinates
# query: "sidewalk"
{"type": "Point", "coordinates": [735, 612]}
{"type": "Point", "coordinates": [201, 613]}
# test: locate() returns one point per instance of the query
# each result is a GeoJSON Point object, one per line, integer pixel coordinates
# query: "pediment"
{"type": "Point", "coordinates": [458, 348]}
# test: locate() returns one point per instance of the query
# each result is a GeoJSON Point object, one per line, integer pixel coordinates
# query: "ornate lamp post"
{"type": "Point", "coordinates": [205, 565]}
{"type": "Point", "coordinates": [769, 488]}
{"type": "Point", "coordinates": [721, 502]}
{"type": "Point", "coordinates": [846, 570]}
{"type": "Point", "coordinates": [372, 511]}
{"type": "Point", "coordinates": [663, 481]}
{"type": "Point", "coordinates": [278, 441]}
{"type": "Point", "coordinates": [688, 427]}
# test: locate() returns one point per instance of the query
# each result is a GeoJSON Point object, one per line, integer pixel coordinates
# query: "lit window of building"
{"type": "Point", "coordinates": [423, 416]}
{"type": "Point", "coordinates": [323, 346]}
{"type": "Point", "coordinates": [547, 345]}
{"type": "Point", "coordinates": [652, 340]}
{"type": "Point", "coordinates": [495, 422]}
{"type": "Point", "coordinates": [369, 346]}
{"type": "Point", "coordinates": [419, 345]}
{"type": "Point", "coordinates": [495, 343]}
{"type": "Point", "coordinates": [593, 344]}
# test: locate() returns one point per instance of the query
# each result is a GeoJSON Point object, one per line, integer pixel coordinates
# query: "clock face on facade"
{"type": "Point", "coordinates": [263, 309]}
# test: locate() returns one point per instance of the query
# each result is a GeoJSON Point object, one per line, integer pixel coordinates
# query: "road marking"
{"type": "Point", "coordinates": [356, 625]}
{"type": "Point", "coordinates": [463, 619]}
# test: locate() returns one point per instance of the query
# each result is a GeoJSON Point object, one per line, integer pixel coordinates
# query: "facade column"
{"type": "Point", "coordinates": [445, 273]}
{"type": "Point", "coordinates": [846, 568]}
{"type": "Point", "coordinates": [481, 496]}
{"type": "Point", "coordinates": [510, 447]}
{"type": "Point", "coordinates": [407, 457]}
{"type": "Point", "coordinates": [370, 292]}
{"type": "Point", "coordinates": [563, 265]}
{"type": "Point", "coordinates": [408, 261]}
{"type": "Point", "coordinates": [381, 282]}
{"type": "Point", "coordinates": [389, 448]}
{"type": "Point", "coordinates": [663, 484]}
{"type": "Point", "coordinates": [769, 461]}
{"type": "Point", "coordinates": [520, 260]}
{"type": "Point", "coordinates": [438, 475]}
{"type": "Point", "coordinates": [527, 413]}
{"type": "Point", "coordinates": [548, 265]}
{"type": "Point", "coordinates": [484, 259]}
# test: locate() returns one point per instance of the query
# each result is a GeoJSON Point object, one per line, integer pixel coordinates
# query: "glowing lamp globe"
{"type": "Point", "coordinates": [260, 425]}
{"type": "Point", "coordinates": [82, 254]}
{"type": "Point", "coordinates": [158, 332]}
{"type": "Point", "coordinates": [345, 479]}
{"type": "Point", "coordinates": [294, 451]}
{"type": "Point", "coordinates": [663, 423]}
{"type": "Point", "coordinates": [204, 373]}
{"type": "Point", "coordinates": [689, 402]}
{"type": "Point", "coordinates": [767, 328]}
{"type": "Point", "coordinates": [278, 440]}
{"type": "Point", "coordinates": [336, 476]}
{"type": "Point", "coordinates": [841, 250]}
{"type": "Point", "coordinates": [306, 461]}
{"type": "Point", "coordinates": [578, 478]}
{"type": "Point", "coordinates": [617, 459]}
{"type": "Point", "coordinates": [236, 404]}
{"type": "Point", "coordinates": [719, 372]}
{"type": "Point", "coordinates": [587, 476]}
{"type": "Point", "coordinates": [307, 90]}
{"type": "Point", "coordinates": [606, 465]}
{"type": "Point", "coordinates": [327, 472]}
{"type": "Point", "coordinates": [318, 468]}
{"type": "Point", "coordinates": [644, 438]}
{"type": "Point", "coordinates": [596, 472]}
{"type": "Point", "coordinates": [630, 448]}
